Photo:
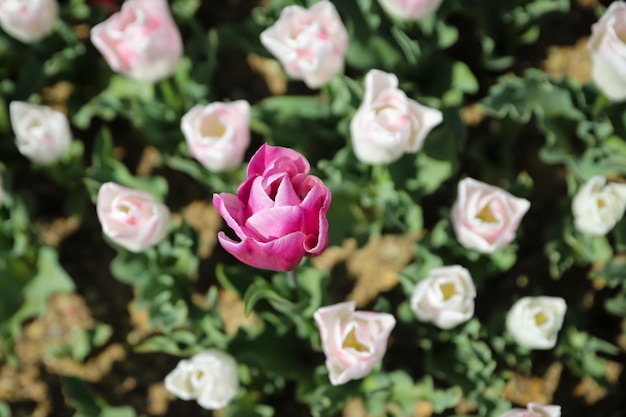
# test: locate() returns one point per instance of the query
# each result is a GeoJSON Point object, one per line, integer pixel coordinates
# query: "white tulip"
{"type": "Point", "coordinates": [42, 134]}
{"type": "Point", "coordinates": [209, 377]}
{"type": "Point", "coordinates": [608, 51]}
{"type": "Point", "coordinates": [598, 206]}
{"type": "Point", "coordinates": [534, 410]}
{"type": "Point", "coordinates": [445, 298]}
{"type": "Point", "coordinates": [534, 322]}
{"type": "Point", "coordinates": [28, 21]}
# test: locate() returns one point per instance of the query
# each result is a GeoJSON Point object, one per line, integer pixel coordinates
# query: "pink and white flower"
{"type": "Point", "coordinates": [608, 51]}
{"type": "Point", "coordinates": [310, 43]}
{"type": "Point", "coordinates": [42, 134]}
{"type": "Point", "coordinates": [485, 217]}
{"type": "Point", "coordinates": [131, 218]}
{"type": "Point", "coordinates": [388, 124]}
{"type": "Point", "coordinates": [353, 341]}
{"type": "Point", "coordinates": [28, 21]}
{"type": "Point", "coordinates": [140, 41]}
{"type": "Point", "coordinates": [445, 297]}
{"type": "Point", "coordinates": [218, 134]}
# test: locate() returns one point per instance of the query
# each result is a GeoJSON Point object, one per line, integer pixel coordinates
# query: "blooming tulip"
{"type": "Point", "coordinates": [598, 206]}
{"type": "Point", "coordinates": [534, 322]}
{"type": "Point", "coordinates": [310, 43]}
{"type": "Point", "coordinates": [218, 134]}
{"type": "Point", "coordinates": [140, 41]}
{"type": "Point", "coordinates": [410, 9]}
{"type": "Point", "coordinates": [353, 341]}
{"type": "Point", "coordinates": [209, 377]}
{"type": "Point", "coordinates": [42, 134]}
{"type": "Point", "coordinates": [608, 51]}
{"type": "Point", "coordinates": [534, 410]}
{"type": "Point", "coordinates": [485, 217]}
{"type": "Point", "coordinates": [445, 298]}
{"type": "Point", "coordinates": [279, 212]}
{"type": "Point", "coordinates": [28, 20]}
{"type": "Point", "coordinates": [131, 218]}
{"type": "Point", "coordinates": [388, 124]}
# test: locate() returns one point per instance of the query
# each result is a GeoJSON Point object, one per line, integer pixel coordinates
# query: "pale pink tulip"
{"type": "Point", "coordinates": [388, 124]}
{"type": "Point", "coordinates": [28, 20]}
{"type": "Point", "coordinates": [353, 341]}
{"type": "Point", "coordinates": [410, 9]}
{"type": "Point", "coordinates": [218, 134]}
{"type": "Point", "coordinates": [608, 51]}
{"type": "Point", "coordinates": [42, 134]}
{"type": "Point", "coordinates": [140, 41]}
{"type": "Point", "coordinates": [310, 43]}
{"type": "Point", "coordinates": [485, 217]}
{"type": "Point", "coordinates": [279, 212]}
{"type": "Point", "coordinates": [131, 218]}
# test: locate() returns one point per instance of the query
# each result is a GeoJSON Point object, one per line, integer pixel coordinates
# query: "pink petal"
{"type": "Point", "coordinates": [282, 254]}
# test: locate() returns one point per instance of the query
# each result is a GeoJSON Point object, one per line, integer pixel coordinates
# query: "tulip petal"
{"type": "Point", "coordinates": [283, 254]}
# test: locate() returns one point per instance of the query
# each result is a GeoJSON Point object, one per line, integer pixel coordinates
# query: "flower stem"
{"type": "Point", "coordinates": [291, 278]}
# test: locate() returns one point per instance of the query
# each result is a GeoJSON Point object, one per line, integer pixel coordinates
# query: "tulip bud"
{"type": "Point", "coordinates": [140, 41]}
{"type": "Point", "coordinates": [42, 134]}
{"type": "Point", "coordinates": [598, 206]}
{"type": "Point", "coordinates": [131, 218]}
{"type": "Point", "coordinates": [445, 297]}
{"type": "Point", "coordinates": [485, 217]}
{"type": "Point", "coordinates": [353, 341]}
{"type": "Point", "coordinates": [310, 43]}
{"type": "Point", "coordinates": [218, 134]}
{"type": "Point", "coordinates": [534, 322]}
{"type": "Point", "coordinates": [209, 377]}
{"type": "Point", "coordinates": [28, 20]}
{"type": "Point", "coordinates": [388, 124]}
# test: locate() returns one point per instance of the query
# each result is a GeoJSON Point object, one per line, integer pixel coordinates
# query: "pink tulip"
{"type": "Point", "coordinates": [310, 43]}
{"type": "Point", "coordinates": [131, 218]}
{"type": "Point", "coordinates": [28, 20]}
{"type": "Point", "coordinates": [279, 212]}
{"type": "Point", "coordinates": [485, 217]}
{"type": "Point", "coordinates": [218, 134]}
{"type": "Point", "coordinates": [388, 124]}
{"type": "Point", "coordinates": [410, 9]}
{"type": "Point", "coordinates": [534, 410]}
{"type": "Point", "coordinates": [353, 341]}
{"type": "Point", "coordinates": [141, 41]}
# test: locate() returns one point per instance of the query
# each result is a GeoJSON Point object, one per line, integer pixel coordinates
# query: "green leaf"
{"type": "Point", "coordinates": [51, 279]}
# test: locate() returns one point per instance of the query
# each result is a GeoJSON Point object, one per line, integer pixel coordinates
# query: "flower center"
{"type": "Point", "coordinates": [486, 215]}
{"type": "Point", "coordinates": [540, 319]}
{"type": "Point", "coordinates": [447, 290]}
{"type": "Point", "coordinates": [352, 342]}
{"type": "Point", "coordinates": [601, 203]}
{"type": "Point", "coordinates": [212, 128]}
